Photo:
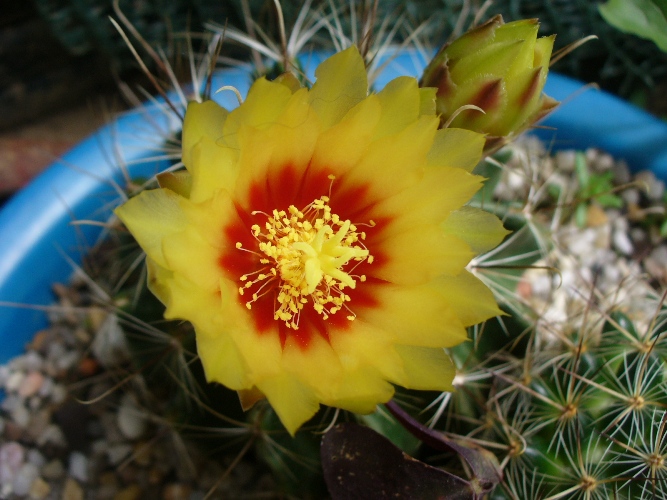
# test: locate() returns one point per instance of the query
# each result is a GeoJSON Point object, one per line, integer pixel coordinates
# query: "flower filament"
{"type": "Point", "coordinates": [303, 253]}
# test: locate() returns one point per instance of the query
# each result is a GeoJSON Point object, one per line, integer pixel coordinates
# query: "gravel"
{"type": "Point", "coordinates": [70, 431]}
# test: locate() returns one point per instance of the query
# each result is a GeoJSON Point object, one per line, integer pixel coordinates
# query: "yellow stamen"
{"type": "Point", "coordinates": [307, 250]}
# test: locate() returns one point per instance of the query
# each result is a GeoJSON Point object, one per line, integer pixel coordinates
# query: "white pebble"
{"type": "Point", "coordinates": [58, 394]}
{"type": "Point", "coordinates": [36, 458]}
{"type": "Point", "coordinates": [78, 466]}
{"type": "Point", "coordinates": [53, 470]}
{"type": "Point", "coordinates": [659, 254]}
{"type": "Point", "coordinates": [14, 381]}
{"type": "Point", "coordinates": [31, 384]}
{"type": "Point", "coordinates": [39, 489]}
{"type": "Point", "coordinates": [12, 456]}
{"type": "Point", "coordinates": [631, 196]}
{"type": "Point", "coordinates": [20, 415]}
{"type": "Point", "coordinates": [565, 160]}
{"type": "Point", "coordinates": [110, 346]}
{"type": "Point", "coordinates": [4, 375]}
{"type": "Point", "coordinates": [24, 479]}
{"type": "Point", "coordinates": [119, 452]}
{"type": "Point", "coordinates": [46, 387]}
{"type": "Point", "coordinates": [622, 242]}
{"type": "Point", "coordinates": [51, 435]}
{"type": "Point", "coordinates": [654, 187]}
{"type": "Point", "coordinates": [5, 490]}
{"type": "Point", "coordinates": [622, 172]}
{"type": "Point", "coordinates": [131, 419]}
{"type": "Point", "coordinates": [32, 361]}
{"type": "Point", "coordinates": [67, 360]}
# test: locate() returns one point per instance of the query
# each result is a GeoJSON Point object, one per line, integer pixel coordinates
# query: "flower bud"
{"type": "Point", "coordinates": [499, 68]}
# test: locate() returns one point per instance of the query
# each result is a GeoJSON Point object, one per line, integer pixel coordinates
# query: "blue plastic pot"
{"type": "Point", "coordinates": [39, 245]}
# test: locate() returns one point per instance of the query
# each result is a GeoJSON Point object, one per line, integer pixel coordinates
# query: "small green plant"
{"type": "Point", "coordinates": [644, 18]}
{"type": "Point", "coordinates": [593, 188]}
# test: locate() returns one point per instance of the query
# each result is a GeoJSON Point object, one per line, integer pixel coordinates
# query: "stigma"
{"type": "Point", "coordinates": [307, 258]}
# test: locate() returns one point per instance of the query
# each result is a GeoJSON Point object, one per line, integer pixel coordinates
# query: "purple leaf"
{"type": "Point", "coordinates": [359, 463]}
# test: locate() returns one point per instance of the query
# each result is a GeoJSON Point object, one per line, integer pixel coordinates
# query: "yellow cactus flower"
{"type": "Point", "coordinates": [499, 68]}
{"type": "Point", "coordinates": [318, 241]}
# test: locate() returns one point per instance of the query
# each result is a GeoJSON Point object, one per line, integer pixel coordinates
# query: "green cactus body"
{"type": "Point", "coordinates": [575, 407]}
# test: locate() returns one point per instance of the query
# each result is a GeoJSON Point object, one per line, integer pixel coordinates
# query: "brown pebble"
{"type": "Point", "coordinates": [82, 336]}
{"type": "Point", "coordinates": [96, 317]}
{"type": "Point", "coordinates": [128, 474]}
{"type": "Point", "coordinates": [176, 491]}
{"type": "Point", "coordinates": [132, 492]}
{"type": "Point", "coordinates": [635, 212]}
{"type": "Point", "coordinates": [40, 341]}
{"type": "Point", "coordinates": [39, 489]}
{"type": "Point", "coordinates": [31, 384]}
{"type": "Point", "coordinates": [155, 475]}
{"type": "Point", "coordinates": [88, 367]}
{"type": "Point", "coordinates": [72, 490]}
{"type": "Point", "coordinates": [13, 431]}
{"type": "Point", "coordinates": [142, 454]}
{"type": "Point", "coordinates": [53, 470]}
{"type": "Point", "coordinates": [107, 478]}
{"type": "Point", "coordinates": [596, 216]}
{"type": "Point", "coordinates": [39, 421]}
{"type": "Point", "coordinates": [524, 289]}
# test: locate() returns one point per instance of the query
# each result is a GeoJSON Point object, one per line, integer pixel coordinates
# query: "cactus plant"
{"type": "Point", "coordinates": [573, 407]}
{"type": "Point", "coordinates": [566, 389]}
{"type": "Point", "coordinates": [570, 390]}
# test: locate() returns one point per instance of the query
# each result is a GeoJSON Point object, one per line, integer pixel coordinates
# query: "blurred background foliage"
{"type": "Point", "coordinates": [625, 64]}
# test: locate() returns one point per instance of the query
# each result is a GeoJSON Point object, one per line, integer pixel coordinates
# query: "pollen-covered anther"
{"type": "Point", "coordinates": [307, 252]}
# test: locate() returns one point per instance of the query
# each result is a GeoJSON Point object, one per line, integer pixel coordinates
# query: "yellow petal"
{"type": "Point", "coordinates": [362, 390]}
{"type": "Point", "coordinates": [188, 254]}
{"type": "Point", "coordinates": [341, 146]}
{"type": "Point", "coordinates": [186, 300]}
{"type": "Point", "coordinates": [393, 162]}
{"type": "Point", "coordinates": [469, 297]}
{"type": "Point", "coordinates": [367, 345]}
{"type": "Point", "coordinates": [419, 254]}
{"type": "Point", "coordinates": [295, 134]}
{"type": "Point", "coordinates": [427, 369]}
{"type": "Point", "coordinates": [150, 216]}
{"type": "Point", "coordinates": [180, 182]}
{"type": "Point", "coordinates": [217, 212]}
{"type": "Point", "coordinates": [249, 397]}
{"type": "Point", "coordinates": [293, 401]}
{"type": "Point", "coordinates": [157, 280]}
{"type": "Point", "coordinates": [213, 167]}
{"type": "Point", "coordinates": [417, 315]}
{"type": "Point", "coordinates": [222, 362]}
{"type": "Point", "coordinates": [427, 100]}
{"type": "Point", "coordinates": [341, 84]}
{"type": "Point", "coordinates": [204, 119]}
{"type": "Point", "coordinates": [265, 102]}
{"type": "Point", "coordinates": [481, 230]}
{"type": "Point", "coordinates": [401, 102]}
{"type": "Point", "coordinates": [232, 352]}
{"type": "Point", "coordinates": [430, 201]}
{"type": "Point", "coordinates": [316, 365]}
{"type": "Point", "coordinates": [458, 148]}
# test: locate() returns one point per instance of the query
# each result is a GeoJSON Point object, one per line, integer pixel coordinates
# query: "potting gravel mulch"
{"type": "Point", "coordinates": [74, 421]}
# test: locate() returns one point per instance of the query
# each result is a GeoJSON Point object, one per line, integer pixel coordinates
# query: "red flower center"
{"type": "Point", "coordinates": [299, 268]}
